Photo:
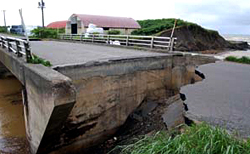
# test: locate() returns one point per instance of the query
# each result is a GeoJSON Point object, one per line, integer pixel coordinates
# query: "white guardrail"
{"type": "Point", "coordinates": [125, 40]}
{"type": "Point", "coordinates": [17, 46]}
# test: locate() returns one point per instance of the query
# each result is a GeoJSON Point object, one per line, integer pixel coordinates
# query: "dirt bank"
{"type": "Point", "coordinates": [196, 38]}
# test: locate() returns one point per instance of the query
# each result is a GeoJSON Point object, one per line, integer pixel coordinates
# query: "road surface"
{"type": "Point", "coordinates": [223, 98]}
{"type": "Point", "coordinates": [65, 53]}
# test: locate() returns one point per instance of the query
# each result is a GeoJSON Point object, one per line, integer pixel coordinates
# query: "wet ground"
{"type": "Point", "coordinates": [223, 98]}
{"type": "Point", "coordinates": [12, 127]}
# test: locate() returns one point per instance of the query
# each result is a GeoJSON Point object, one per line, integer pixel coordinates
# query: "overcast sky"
{"type": "Point", "coordinates": [226, 16]}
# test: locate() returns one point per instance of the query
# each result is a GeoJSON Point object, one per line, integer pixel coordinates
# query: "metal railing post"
{"type": "Point", "coordinates": [108, 38]}
{"type": "Point", "coordinates": [18, 49]}
{"type": "Point", "coordinates": [9, 45]}
{"type": "Point", "coordinates": [171, 44]}
{"type": "Point", "coordinates": [28, 52]}
{"type": "Point", "coordinates": [127, 40]}
{"type": "Point", "coordinates": [3, 42]}
{"type": "Point", "coordinates": [81, 37]}
{"type": "Point", "coordinates": [93, 37]}
{"type": "Point", "coordinates": [152, 42]}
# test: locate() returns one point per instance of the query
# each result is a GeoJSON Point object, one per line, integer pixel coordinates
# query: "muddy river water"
{"type": "Point", "coordinates": [12, 126]}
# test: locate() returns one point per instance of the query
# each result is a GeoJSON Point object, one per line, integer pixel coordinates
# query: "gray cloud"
{"type": "Point", "coordinates": [225, 16]}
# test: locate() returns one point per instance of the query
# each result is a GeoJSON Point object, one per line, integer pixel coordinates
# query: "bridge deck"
{"type": "Point", "coordinates": [65, 53]}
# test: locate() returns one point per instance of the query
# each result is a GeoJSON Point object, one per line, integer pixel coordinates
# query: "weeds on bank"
{"type": "Point", "coordinates": [244, 59]}
{"type": "Point", "coordinates": [197, 139]}
{"type": "Point", "coordinates": [38, 60]}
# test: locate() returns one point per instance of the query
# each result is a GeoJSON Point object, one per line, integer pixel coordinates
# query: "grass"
{"type": "Point", "coordinates": [244, 59]}
{"type": "Point", "coordinates": [156, 26]}
{"type": "Point", "coordinates": [38, 60]}
{"type": "Point", "coordinates": [197, 139]}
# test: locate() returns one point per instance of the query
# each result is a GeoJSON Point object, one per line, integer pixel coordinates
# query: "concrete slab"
{"type": "Point", "coordinates": [65, 53]}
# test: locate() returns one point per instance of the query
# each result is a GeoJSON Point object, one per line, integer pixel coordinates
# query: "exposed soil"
{"type": "Point", "coordinates": [146, 120]}
{"type": "Point", "coordinates": [195, 38]}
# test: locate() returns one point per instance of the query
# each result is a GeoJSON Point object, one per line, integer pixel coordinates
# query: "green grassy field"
{"type": "Point", "coordinates": [197, 139]}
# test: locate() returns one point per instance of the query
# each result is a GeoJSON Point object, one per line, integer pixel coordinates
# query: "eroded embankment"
{"type": "Point", "coordinates": [195, 38]}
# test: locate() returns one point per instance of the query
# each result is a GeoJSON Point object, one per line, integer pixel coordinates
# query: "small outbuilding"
{"type": "Point", "coordinates": [78, 23]}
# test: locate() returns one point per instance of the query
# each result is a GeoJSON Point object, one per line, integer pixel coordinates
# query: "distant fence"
{"type": "Point", "coordinates": [17, 46]}
{"type": "Point", "coordinates": [125, 40]}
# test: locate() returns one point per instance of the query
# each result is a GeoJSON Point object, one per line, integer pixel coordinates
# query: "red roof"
{"type": "Point", "coordinates": [57, 24]}
{"type": "Point", "coordinates": [107, 21]}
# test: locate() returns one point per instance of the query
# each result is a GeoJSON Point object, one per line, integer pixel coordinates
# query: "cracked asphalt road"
{"type": "Point", "coordinates": [65, 53]}
{"type": "Point", "coordinates": [223, 98]}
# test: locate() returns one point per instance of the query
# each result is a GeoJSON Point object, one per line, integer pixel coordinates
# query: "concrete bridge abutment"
{"type": "Point", "coordinates": [48, 99]}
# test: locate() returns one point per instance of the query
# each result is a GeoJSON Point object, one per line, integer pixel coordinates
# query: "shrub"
{"type": "Point", "coordinates": [38, 60]}
{"type": "Point", "coordinates": [114, 32]}
{"type": "Point", "coordinates": [47, 32]}
{"type": "Point", "coordinates": [231, 58]}
{"type": "Point", "coordinates": [244, 59]}
{"type": "Point", "coordinates": [3, 29]}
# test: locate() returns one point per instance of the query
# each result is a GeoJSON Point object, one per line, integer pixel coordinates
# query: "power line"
{"type": "Point", "coordinates": [42, 6]}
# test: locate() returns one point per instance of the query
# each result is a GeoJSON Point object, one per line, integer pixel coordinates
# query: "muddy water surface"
{"type": "Point", "coordinates": [12, 127]}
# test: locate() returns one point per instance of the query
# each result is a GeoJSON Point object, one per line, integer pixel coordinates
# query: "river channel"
{"type": "Point", "coordinates": [12, 126]}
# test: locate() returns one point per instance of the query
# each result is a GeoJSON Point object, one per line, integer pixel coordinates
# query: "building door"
{"type": "Point", "coordinates": [73, 28]}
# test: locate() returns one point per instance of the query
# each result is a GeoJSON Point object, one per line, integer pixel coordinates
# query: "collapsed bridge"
{"type": "Point", "coordinates": [90, 90]}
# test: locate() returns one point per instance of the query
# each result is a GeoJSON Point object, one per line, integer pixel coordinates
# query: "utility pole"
{"type": "Point", "coordinates": [4, 18]}
{"type": "Point", "coordinates": [42, 6]}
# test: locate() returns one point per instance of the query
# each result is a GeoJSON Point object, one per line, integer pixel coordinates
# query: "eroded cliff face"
{"type": "Point", "coordinates": [107, 94]}
{"type": "Point", "coordinates": [195, 38]}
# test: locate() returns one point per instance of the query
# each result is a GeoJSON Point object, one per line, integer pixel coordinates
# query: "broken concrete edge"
{"type": "Point", "coordinates": [174, 113]}
{"type": "Point", "coordinates": [50, 98]}
{"type": "Point", "coordinates": [111, 61]}
{"type": "Point", "coordinates": [99, 68]}
{"type": "Point", "coordinates": [115, 67]}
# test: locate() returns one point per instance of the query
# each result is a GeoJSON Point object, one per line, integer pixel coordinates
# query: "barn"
{"type": "Point", "coordinates": [78, 23]}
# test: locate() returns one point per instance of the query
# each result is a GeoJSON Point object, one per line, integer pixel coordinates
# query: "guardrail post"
{"type": "Point", "coordinates": [108, 38]}
{"type": "Point", "coordinates": [127, 40]}
{"type": "Point", "coordinates": [81, 37]}
{"type": "Point", "coordinates": [71, 37]}
{"type": "Point", "coordinates": [93, 37]}
{"type": "Point", "coordinates": [3, 42]}
{"type": "Point", "coordinates": [27, 51]}
{"type": "Point", "coordinates": [152, 42]}
{"type": "Point", "coordinates": [9, 45]}
{"type": "Point", "coordinates": [171, 44]}
{"type": "Point", "coordinates": [18, 49]}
